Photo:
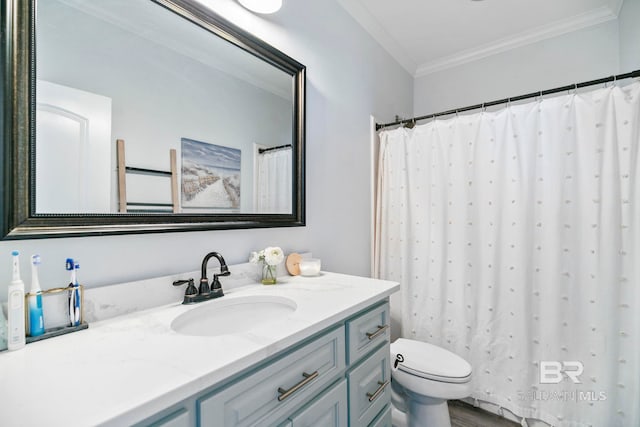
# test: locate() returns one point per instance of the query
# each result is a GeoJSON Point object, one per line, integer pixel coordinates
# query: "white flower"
{"type": "Point", "coordinates": [270, 256]}
{"type": "Point", "coordinates": [273, 255]}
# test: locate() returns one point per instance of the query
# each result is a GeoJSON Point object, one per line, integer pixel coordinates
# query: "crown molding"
{"type": "Point", "coordinates": [594, 17]}
{"type": "Point", "coordinates": [616, 6]}
{"type": "Point", "coordinates": [379, 34]}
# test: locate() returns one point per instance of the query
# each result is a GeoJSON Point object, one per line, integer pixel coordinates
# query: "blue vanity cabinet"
{"type": "Point", "coordinates": [179, 415]}
{"type": "Point", "coordinates": [339, 378]}
{"type": "Point", "coordinates": [271, 394]}
{"type": "Point", "coordinates": [179, 418]}
{"type": "Point", "coordinates": [369, 374]}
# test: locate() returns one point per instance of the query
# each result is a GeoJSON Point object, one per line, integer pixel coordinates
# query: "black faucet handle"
{"type": "Point", "coordinates": [181, 282]}
{"type": "Point", "coordinates": [191, 287]}
{"type": "Point", "coordinates": [216, 286]}
{"type": "Point", "coordinates": [191, 290]}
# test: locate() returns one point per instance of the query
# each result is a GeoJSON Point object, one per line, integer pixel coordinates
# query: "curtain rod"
{"type": "Point", "coordinates": [632, 74]}
{"type": "Point", "coordinates": [264, 150]}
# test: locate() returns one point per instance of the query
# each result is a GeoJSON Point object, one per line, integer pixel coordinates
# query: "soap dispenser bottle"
{"type": "Point", "coordinates": [15, 305]}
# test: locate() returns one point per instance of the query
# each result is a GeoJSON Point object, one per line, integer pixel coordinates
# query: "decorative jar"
{"type": "Point", "coordinates": [269, 274]}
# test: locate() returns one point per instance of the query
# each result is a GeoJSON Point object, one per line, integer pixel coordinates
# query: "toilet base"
{"type": "Point", "coordinates": [398, 418]}
{"type": "Point", "coordinates": [426, 413]}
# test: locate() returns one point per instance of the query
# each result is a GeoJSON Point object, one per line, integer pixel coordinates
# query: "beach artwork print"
{"type": "Point", "coordinates": [210, 176]}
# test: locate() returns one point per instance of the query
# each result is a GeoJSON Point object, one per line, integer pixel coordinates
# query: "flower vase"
{"type": "Point", "coordinates": [268, 274]}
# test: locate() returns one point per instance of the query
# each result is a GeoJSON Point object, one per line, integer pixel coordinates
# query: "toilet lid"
{"type": "Point", "coordinates": [430, 361]}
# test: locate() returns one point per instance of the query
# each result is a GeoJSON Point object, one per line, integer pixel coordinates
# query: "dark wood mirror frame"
{"type": "Point", "coordinates": [18, 219]}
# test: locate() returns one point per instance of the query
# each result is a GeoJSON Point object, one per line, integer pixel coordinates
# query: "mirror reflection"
{"type": "Point", "coordinates": [144, 111]}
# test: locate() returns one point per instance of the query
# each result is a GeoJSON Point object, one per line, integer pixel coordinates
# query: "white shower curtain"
{"type": "Point", "coordinates": [273, 194]}
{"type": "Point", "coordinates": [515, 235]}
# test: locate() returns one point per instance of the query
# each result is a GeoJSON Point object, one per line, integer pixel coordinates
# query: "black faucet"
{"type": "Point", "coordinates": [205, 292]}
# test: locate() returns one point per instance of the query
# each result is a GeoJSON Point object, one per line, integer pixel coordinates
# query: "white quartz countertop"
{"type": "Point", "coordinates": [123, 370]}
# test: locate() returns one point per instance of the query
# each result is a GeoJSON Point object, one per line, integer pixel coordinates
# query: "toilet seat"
{"type": "Point", "coordinates": [430, 362]}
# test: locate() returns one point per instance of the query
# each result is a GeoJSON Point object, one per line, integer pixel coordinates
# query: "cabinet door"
{"type": "Point", "coordinates": [369, 388]}
{"type": "Point", "coordinates": [272, 393]}
{"type": "Point", "coordinates": [328, 410]}
{"type": "Point", "coordinates": [367, 331]}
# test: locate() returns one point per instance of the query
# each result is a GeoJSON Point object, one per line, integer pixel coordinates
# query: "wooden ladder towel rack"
{"type": "Point", "coordinates": [123, 170]}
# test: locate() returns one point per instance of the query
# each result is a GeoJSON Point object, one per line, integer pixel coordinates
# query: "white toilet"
{"type": "Point", "coordinates": [422, 382]}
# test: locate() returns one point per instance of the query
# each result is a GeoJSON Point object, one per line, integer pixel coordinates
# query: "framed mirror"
{"type": "Point", "coordinates": [163, 118]}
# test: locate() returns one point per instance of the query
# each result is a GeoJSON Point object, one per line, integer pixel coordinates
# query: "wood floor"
{"type": "Point", "coordinates": [465, 415]}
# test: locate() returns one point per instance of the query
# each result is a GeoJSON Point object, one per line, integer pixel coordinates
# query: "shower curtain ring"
{"type": "Point", "coordinates": [484, 108]}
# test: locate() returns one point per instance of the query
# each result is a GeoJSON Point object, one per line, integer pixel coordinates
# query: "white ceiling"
{"type": "Point", "coordinates": [425, 36]}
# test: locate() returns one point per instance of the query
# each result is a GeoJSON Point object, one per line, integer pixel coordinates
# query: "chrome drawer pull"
{"type": "Point", "coordinates": [374, 395]}
{"type": "Point", "coordinates": [307, 379]}
{"type": "Point", "coordinates": [374, 335]}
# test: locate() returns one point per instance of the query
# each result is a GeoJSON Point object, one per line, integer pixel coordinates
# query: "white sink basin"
{"type": "Point", "coordinates": [233, 315]}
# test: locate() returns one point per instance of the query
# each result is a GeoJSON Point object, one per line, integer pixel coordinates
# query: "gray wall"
{"type": "Point", "coordinates": [349, 77]}
{"type": "Point", "coordinates": [630, 36]}
{"type": "Point", "coordinates": [582, 55]}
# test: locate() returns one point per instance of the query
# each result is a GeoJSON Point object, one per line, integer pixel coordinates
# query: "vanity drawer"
{"type": "Point", "coordinates": [328, 410]}
{"type": "Point", "coordinates": [367, 331]}
{"type": "Point", "coordinates": [369, 388]}
{"type": "Point", "coordinates": [270, 394]}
